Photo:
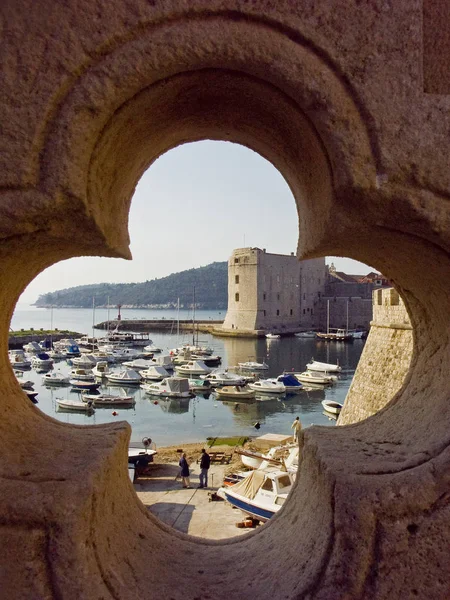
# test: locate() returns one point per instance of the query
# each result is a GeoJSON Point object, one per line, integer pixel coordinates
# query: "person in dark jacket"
{"type": "Point", "coordinates": [205, 462]}
{"type": "Point", "coordinates": [184, 471]}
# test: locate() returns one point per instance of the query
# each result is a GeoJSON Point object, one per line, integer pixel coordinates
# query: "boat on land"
{"type": "Point", "coordinates": [55, 378]}
{"type": "Point", "coordinates": [220, 378]}
{"type": "Point", "coordinates": [261, 494]}
{"type": "Point", "coordinates": [273, 336]}
{"type": "Point", "coordinates": [154, 373]}
{"type": "Point", "coordinates": [25, 384]}
{"type": "Point", "coordinates": [253, 366]}
{"type": "Point", "coordinates": [267, 386]}
{"type": "Point", "coordinates": [314, 377]}
{"type": "Point", "coordinates": [315, 365]}
{"type": "Point", "coordinates": [332, 407]}
{"type": "Point", "coordinates": [126, 377]}
{"type": "Point", "coordinates": [108, 400]}
{"type": "Point", "coordinates": [74, 405]}
{"type": "Point", "coordinates": [290, 382]}
{"type": "Point", "coordinates": [235, 392]}
{"type": "Point", "coordinates": [31, 395]}
{"type": "Point", "coordinates": [193, 367]}
{"type": "Point", "coordinates": [170, 387]}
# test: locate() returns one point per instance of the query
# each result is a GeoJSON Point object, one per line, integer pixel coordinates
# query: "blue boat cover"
{"type": "Point", "coordinates": [43, 356]}
{"type": "Point", "coordinates": [290, 380]}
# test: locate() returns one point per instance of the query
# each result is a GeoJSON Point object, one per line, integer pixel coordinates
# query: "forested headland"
{"type": "Point", "coordinates": [210, 283]}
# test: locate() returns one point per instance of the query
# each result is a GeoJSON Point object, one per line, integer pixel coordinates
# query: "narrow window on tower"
{"type": "Point", "coordinates": [236, 279]}
{"type": "Point", "coordinates": [291, 312]}
{"type": "Point", "coordinates": [278, 313]}
{"type": "Point", "coordinates": [236, 297]}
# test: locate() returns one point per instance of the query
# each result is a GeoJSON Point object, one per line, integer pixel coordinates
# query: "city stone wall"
{"type": "Point", "coordinates": [385, 359]}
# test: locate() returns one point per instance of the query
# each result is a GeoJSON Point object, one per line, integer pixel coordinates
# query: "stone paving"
{"type": "Point", "coordinates": [189, 510]}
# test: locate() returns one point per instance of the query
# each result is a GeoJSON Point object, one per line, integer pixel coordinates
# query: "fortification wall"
{"type": "Point", "coordinates": [385, 359]}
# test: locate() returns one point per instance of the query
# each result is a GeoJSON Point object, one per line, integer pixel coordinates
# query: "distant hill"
{"type": "Point", "coordinates": [210, 282]}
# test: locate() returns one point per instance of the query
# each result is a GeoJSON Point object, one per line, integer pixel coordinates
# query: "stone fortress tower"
{"type": "Point", "coordinates": [272, 292]}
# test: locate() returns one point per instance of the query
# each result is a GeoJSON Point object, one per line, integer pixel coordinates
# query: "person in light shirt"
{"type": "Point", "coordinates": [296, 426]}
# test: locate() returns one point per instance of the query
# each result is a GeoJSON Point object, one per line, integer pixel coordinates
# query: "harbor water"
{"type": "Point", "coordinates": [176, 421]}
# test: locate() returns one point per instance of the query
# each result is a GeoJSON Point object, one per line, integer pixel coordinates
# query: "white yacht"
{"type": "Point", "coordinates": [219, 378]}
{"type": "Point", "coordinates": [267, 386]}
{"type": "Point", "coordinates": [170, 387]}
{"type": "Point", "coordinates": [126, 376]}
{"type": "Point", "coordinates": [154, 373]}
{"type": "Point", "coordinates": [314, 377]}
{"type": "Point", "coordinates": [18, 359]}
{"type": "Point", "coordinates": [253, 366]}
{"type": "Point", "coordinates": [315, 365]}
{"type": "Point", "coordinates": [193, 367]}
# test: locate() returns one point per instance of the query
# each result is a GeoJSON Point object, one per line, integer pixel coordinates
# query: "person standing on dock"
{"type": "Point", "coordinates": [296, 426]}
{"type": "Point", "coordinates": [184, 472]}
{"type": "Point", "coordinates": [205, 463]}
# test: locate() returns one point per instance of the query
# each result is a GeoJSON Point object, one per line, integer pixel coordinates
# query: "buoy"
{"type": "Point", "coordinates": [257, 425]}
{"type": "Point", "coordinates": [155, 401]}
{"type": "Point", "coordinates": [114, 413]}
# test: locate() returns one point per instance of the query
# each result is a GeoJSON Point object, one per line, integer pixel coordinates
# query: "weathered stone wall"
{"type": "Point", "coordinates": [385, 359]}
{"type": "Point", "coordinates": [332, 94]}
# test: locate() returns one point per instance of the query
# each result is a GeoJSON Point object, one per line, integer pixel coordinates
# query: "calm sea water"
{"type": "Point", "coordinates": [190, 420]}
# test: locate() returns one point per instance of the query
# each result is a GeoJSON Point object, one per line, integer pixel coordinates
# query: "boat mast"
{"type": "Point", "coordinates": [193, 319]}
{"type": "Point", "coordinates": [93, 321]}
{"type": "Point", "coordinates": [107, 325]}
{"type": "Point", "coordinates": [328, 316]}
{"type": "Point", "coordinates": [346, 331]}
{"type": "Point", "coordinates": [178, 320]}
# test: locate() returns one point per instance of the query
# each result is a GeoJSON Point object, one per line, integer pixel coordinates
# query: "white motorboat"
{"type": "Point", "coordinates": [84, 384]}
{"type": "Point", "coordinates": [261, 494]}
{"type": "Point", "coordinates": [290, 382]}
{"type": "Point", "coordinates": [170, 387]}
{"type": "Point", "coordinates": [55, 378]}
{"type": "Point", "coordinates": [268, 386]}
{"type": "Point", "coordinates": [108, 400]}
{"type": "Point", "coordinates": [219, 378]}
{"type": "Point", "coordinates": [235, 392]}
{"type": "Point", "coordinates": [306, 334]}
{"type": "Point", "coordinates": [332, 407]}
{"type": "Point", "coordinates": [56, 354]}
{"type": "Point", "coordinates": [139, 364]}
{"type": "Point", "coordinates": [41, 361]}
{"type": "Point", "coordinates": [32, 347]}
{"type": "Point", "coordinates": [154, 373]}
{"type": "Point", "coordinates": [315, 365]}
{"type": "Point", "coordinates": [193, 367]}
{"type": "Point", "coordinates": [126, 376]}
{"type": "Point", "coordinates": [199, 385]}
{"type": "Point", "coordinates": [123, 354]}
{"type": "Point", "coordinates": [18, 359]}
{"type": "Point", "coordinates": [273, 336]}
{"type": "Point", "coordinates": [85, 361]}
{"type": "Point", "coordinates": [75, 405]}
{"type": "Point", "coordinates": [151, 348]}
{"type": "Point", "coordinates": [82, 374]}
{"type": "Point", "coordinates": [101, 369]}
{"type": "Point", "coordinates": [253, 366]}
{"type": "Point", "coordinates": [314, 377]}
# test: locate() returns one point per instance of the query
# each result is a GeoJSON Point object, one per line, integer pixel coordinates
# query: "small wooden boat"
{"type": "Point", "coordinates": [253, 366]}
{"type": "Point", "coordinates": [83, 384]}
{"type": "Point", "coordinates": [74, 405]}
{"type": "Point", "coordinates": [235, 392]}
{"type": "Point", "coordinates": [108, 400]}
{"type": "Point", "coordinates": [314, 377]}
{"type": "Point", "coordinates": [332, 407]}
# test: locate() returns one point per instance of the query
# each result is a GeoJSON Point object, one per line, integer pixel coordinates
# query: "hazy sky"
{"type": "Point", "coordinates": [192, 207]}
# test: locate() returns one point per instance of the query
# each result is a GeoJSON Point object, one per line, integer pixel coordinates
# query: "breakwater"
{"type": "Point", "coordinates": [144, 325]}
